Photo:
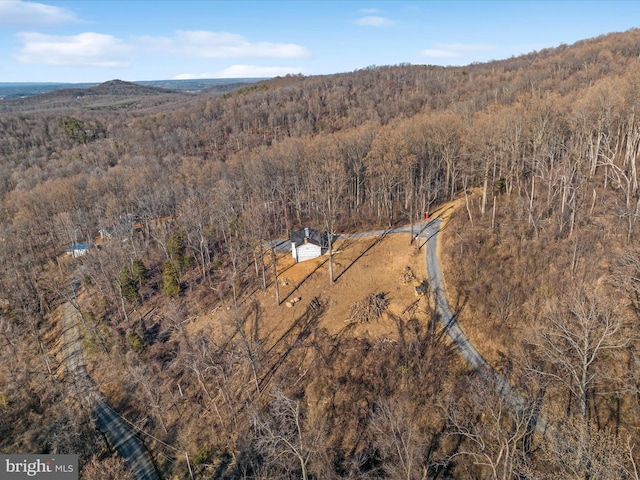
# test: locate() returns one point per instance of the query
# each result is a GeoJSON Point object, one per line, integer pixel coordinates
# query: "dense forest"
{"type": "Point", "coordinates": [181, 191]}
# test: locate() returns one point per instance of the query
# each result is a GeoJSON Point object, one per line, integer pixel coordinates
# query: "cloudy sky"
{"type": "Point", "coordinates": [95, 41]}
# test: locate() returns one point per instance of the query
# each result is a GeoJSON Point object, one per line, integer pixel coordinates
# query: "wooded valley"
{"type": "Point", "coordinates": [178, 195]}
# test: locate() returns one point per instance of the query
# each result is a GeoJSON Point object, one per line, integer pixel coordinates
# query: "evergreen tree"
{"type": "Point", "coordinates": [128, 288]}
{"type": "Point", "coordinates": [170, 283]}
{"type": "Point", "coordinates": [139, 272]}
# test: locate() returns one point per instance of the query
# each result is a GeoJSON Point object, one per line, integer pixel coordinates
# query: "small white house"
{"type": "Point", "coordinates": [77, 249]}
{"type": "Point", "coordinates": [307, 244]}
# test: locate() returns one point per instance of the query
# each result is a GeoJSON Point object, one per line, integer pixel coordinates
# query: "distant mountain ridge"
{"type": "Point", "coordinates": [120, 87]}
{"type": "Point", "coordinates": [18, 90]}
{"type": "Point", "coordinates": [116, 88]}
{"type": "Point", "coordinates": [112, 94]}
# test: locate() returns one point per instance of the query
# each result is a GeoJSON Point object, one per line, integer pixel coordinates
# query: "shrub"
{"type": "Point", "coordinates": [135, 341]}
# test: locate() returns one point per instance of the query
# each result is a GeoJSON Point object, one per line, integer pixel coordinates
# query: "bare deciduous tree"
{"type": "Point", "coordinates": [280, 432]}
{"type": "Point", "coordinates": [493, 433]}
{"type": "Point", "coordinates": [582, 330]}
{"type": "Point", "coordinates": [400, 439]}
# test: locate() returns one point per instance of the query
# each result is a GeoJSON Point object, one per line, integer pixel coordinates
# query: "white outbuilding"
{"type": "Point", "coordinates": [307, 244]}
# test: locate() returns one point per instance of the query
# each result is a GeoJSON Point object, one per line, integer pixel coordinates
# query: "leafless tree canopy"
{"type": "Point", "coordinates": [181, 195]}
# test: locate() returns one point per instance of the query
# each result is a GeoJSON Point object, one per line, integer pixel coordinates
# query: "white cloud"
{"type": "Point", "coordinates": [205, 44]}
{"type": "Point", "coordinates": [100, 50]}
{"type": "Point", "coordinates": [22, 14]}
{"type": "Point", "coordinates": [243, 71]}
{"type": "Point", "coordinates": [374, 21]}
{"type": "Point", "coordinates": [86, 49]}
{"type": "Point", "coordinates": [437, 53]}
{"type": "Point", "coordinates": [193, 76]}
{"type": "Point", "coordinates": [454, 50]}
{"type": "Point", "coordinates": [369, 11]}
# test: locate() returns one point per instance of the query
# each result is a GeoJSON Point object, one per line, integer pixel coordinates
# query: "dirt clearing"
{"type": "Point", "coordinates": [378, 265]}
{"type": "Point", "coordinates": [364, 268]}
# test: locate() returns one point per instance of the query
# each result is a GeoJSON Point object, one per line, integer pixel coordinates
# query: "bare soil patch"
{"type": "Point", "coordinates": [383, 264]}
{"type": "Point", "coordinates": [362, 267]}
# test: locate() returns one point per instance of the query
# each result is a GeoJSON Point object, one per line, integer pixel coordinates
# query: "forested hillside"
{"type": "Point", "coordinates": [178, 195]}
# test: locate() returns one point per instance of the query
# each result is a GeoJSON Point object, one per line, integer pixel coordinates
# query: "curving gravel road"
{"type": "Point", "coordinates": [118, 433]}
{"type": "Point", "coordinates": [127, 444]}
{"type": "Point", "coordinates": [447, 317]}
{"type": "Point", "coordinates": [457, 335]}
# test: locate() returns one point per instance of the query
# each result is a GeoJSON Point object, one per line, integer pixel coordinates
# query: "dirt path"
{"type": "Point", "coordinates": [73, 357]}
{"type": "Point", "coordinates": [118, 433]}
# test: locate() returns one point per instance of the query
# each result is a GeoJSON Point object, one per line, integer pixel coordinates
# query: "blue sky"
{"type": "Point", "coordinates": [94, 41]}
